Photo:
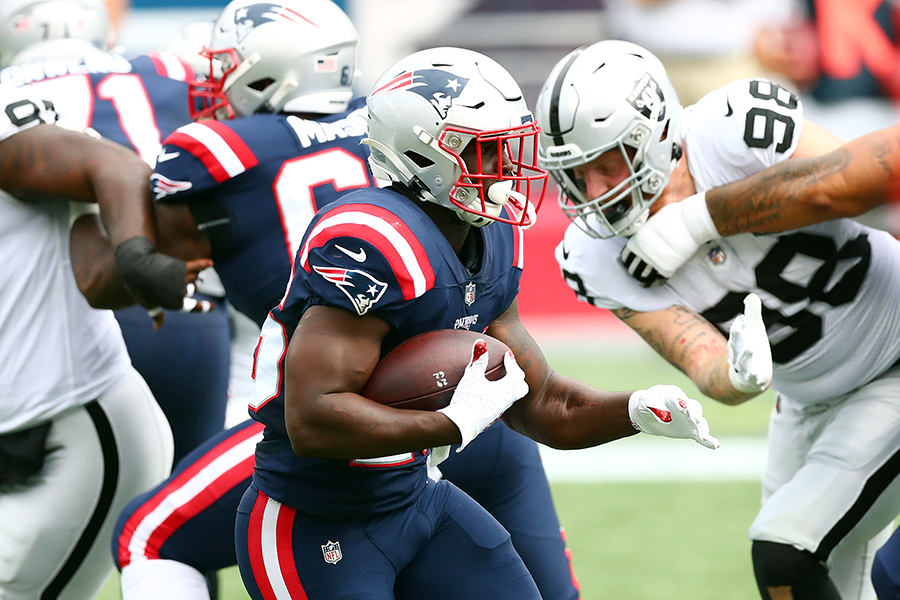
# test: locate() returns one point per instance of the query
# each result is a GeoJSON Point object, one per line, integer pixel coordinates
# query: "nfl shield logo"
{"type": "Point", "coordinates": [717, 255]}
{"type": "Point", "coordinates": [470, 293]}
{"type": "Point", "coordinates": [332, 552]}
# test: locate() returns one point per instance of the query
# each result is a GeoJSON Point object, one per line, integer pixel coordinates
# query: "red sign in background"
{"type": "Point", "coordinates": [547, 305]}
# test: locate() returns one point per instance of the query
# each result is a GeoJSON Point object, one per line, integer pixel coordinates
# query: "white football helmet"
{"type": "Point", "coordinates": [38, 30]}
{"type": "Point", "coordinates": [285, 56]}
{"type": "Point", "coordinates": [611, 95]}
{"type": "Point", "coordinates": [428, 107]}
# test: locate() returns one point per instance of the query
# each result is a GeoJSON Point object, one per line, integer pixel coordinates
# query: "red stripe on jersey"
{"type": "Point", "coordinates": [206, 155]}
{"type": "Point", "coordinates": [285, 553]}
{"type": "Point", "coordinates": [254, 548]}
{"type": "Point", "coordinates": [243, 470]}
{"type": "Point", "coordinates": [363, 232]}
{"type": "Point", "coordinates": [163, 71]}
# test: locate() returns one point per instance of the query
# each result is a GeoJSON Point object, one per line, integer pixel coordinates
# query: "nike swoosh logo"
{"type": "Point", "coordinates": [357, 256]}
{"type": "Point", "coordinates": [730, 110]}
{"type": "Point", "coordinates": [565, 252]}
{"type": "Point", "coordinates": [164, 156]}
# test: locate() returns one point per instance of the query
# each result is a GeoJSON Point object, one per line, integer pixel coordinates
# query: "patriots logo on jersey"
{"type": "Point", "coordinates": [163, 186]}
{"type": "Point", "coordinates": [248, 18]}
{"type": "Point", "coordinates": [362, 289]}
{"type": "Point", "coordinates": [646, 96]}
{"type": "Point", "coordinates": [440, 88]}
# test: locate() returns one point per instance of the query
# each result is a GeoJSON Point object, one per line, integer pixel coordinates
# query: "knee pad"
{"type": "Point", "coordinates": [780, 565]}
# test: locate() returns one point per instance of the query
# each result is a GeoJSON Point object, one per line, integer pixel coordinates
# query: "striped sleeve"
{"type": "Point", "coordinates": [221, 151]}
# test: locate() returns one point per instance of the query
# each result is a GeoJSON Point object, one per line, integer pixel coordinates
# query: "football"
{"type": "Point", "coordinates": [422, 372]}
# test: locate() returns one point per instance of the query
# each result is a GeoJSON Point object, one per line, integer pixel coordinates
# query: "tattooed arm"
{"type": "Point", "coordinates": [857, 177]}
{"type": "Point", "coordinates": [691, 344]}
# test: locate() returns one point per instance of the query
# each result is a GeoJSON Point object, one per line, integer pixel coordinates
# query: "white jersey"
{"type": "Point", "coordinates": [56, 351]}
{"type": "Point", "coordinates": [829, 291]}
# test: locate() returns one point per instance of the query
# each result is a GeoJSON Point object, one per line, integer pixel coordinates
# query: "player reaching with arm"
{"type": "Point", "coordinates": [243, 191]}
{"type": "Point", "coordinates": [846, 182]}
{"type": "Point", "coordinates": [77, 422]}
{"type": "Point", "coordinates": [440, 248]}
{"type": "Point", "coordinates": [814, 298]}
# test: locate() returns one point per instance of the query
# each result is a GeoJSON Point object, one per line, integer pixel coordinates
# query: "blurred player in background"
{"type": "Point", "coordinates": [830, 485]}
{"type": "Point", "coordinates": [341, 505]}
{"type": "Point", "coordinates": [80, 431]}
{"type": "Point", "coordinates": [243, 191]}
{"type": "Point", "coordinates": [61, 47]}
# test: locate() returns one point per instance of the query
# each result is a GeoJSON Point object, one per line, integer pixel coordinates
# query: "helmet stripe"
{"type": "Point", "coordinates": [555, 130]}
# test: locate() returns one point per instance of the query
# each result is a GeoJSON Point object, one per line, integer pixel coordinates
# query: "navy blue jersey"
{"type": "Point", "coordinates": [253, 185]}
{"type": "Point", "coordinates": [373, 252]}
{"type": "Point", "coordinates": [136, 103]}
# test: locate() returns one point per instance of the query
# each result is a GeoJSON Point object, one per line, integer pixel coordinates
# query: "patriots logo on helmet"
{"type": "Point", "coordinates": [362, 289]}
{"type": "Point", "coordinates": [646, 95]}
{"type": "Point", "coordinates": [440, 88]}
{"type": "Point", "coordinates": [248, 18]}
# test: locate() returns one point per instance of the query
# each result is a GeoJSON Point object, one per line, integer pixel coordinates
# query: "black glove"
{"type": "Point", "coordinates": [157, 278]}
{"type": "Point", "coordinates": [640, 270]}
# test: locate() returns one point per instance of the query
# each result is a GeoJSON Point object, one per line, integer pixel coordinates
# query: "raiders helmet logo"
{"type": "Point", "coordinates": [646, 96]}
{"type": "Point", "coordinates": [440, 88]}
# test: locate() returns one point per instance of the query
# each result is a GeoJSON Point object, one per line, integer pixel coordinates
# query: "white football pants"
{"type": "Point", "coordinates": [56, 530]}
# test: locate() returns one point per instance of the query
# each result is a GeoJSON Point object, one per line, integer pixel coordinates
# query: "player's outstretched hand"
{"type": "Point", "coordinates": [478, 402]}
{"type": "Point", "coordinates": [668, 239]}
{"type": "Point", "coordinates": [749, 352]}
{"type": "Point", "coordinates": [667, 411]}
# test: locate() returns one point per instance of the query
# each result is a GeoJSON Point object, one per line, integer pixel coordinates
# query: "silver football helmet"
{"type": "Point", "coordinates": [286, 56]}
{"type": "Point", "coordinates": [613, 95]}
{"type": "Point", "coordinates": [37, 30]}
{"type": "Point", "coordinates": [428, 107]}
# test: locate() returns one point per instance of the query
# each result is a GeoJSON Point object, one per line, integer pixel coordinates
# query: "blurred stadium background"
{"type": "Point", "coordinates": [646, 518]}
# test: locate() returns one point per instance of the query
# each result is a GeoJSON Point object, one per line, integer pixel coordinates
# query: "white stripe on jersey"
{"type": "Point", "coordinates": [399, 243]}
{"type": "Point", "coordinates": [173, 65]}
{"type": "Point", "coordinates": [217, 146]}
{"type": "Point", "coordinates": [189, 491]}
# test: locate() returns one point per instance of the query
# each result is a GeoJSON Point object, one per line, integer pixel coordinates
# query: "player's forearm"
{"type": "Point", "coordinates": [94, 266]}
{"type": "Point", "coordinates": [713, 381]}
{"type": "Point", "coordinates": [857, 177]}
{"type": "Point", "coordinates": [568, 414]}
{"type": "Point", "coordinates": [348, 426]}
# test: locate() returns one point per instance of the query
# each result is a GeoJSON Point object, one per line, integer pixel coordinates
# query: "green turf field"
{"type": "Point", "coordinates": [645, 540]}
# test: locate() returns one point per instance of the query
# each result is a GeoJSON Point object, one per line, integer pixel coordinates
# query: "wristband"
{"type": "Point", "coordinates": [697, 219]}
{"type": "Point", "coordinates": [157, 278]}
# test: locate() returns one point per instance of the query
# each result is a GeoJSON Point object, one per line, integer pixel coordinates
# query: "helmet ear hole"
{"type": "Point", "coordinates": [261, 84]}
{"type": "Point", "coordinates": [421, 161]}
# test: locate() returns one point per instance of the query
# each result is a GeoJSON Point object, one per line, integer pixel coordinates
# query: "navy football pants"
{"type": "Point", "coordinates": [500, 469]}
{"type": "Point", "coordinates": [186, 364]}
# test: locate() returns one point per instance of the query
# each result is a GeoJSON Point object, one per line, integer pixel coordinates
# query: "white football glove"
{"type": "Point", "coordinates": [666, 410]}
{"type": "Point", "coordinates": [477, 402]}
{"type": "Point", "coordinates": [749, 353]}
{"type": "Point", "coordinates": [668, 239]}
